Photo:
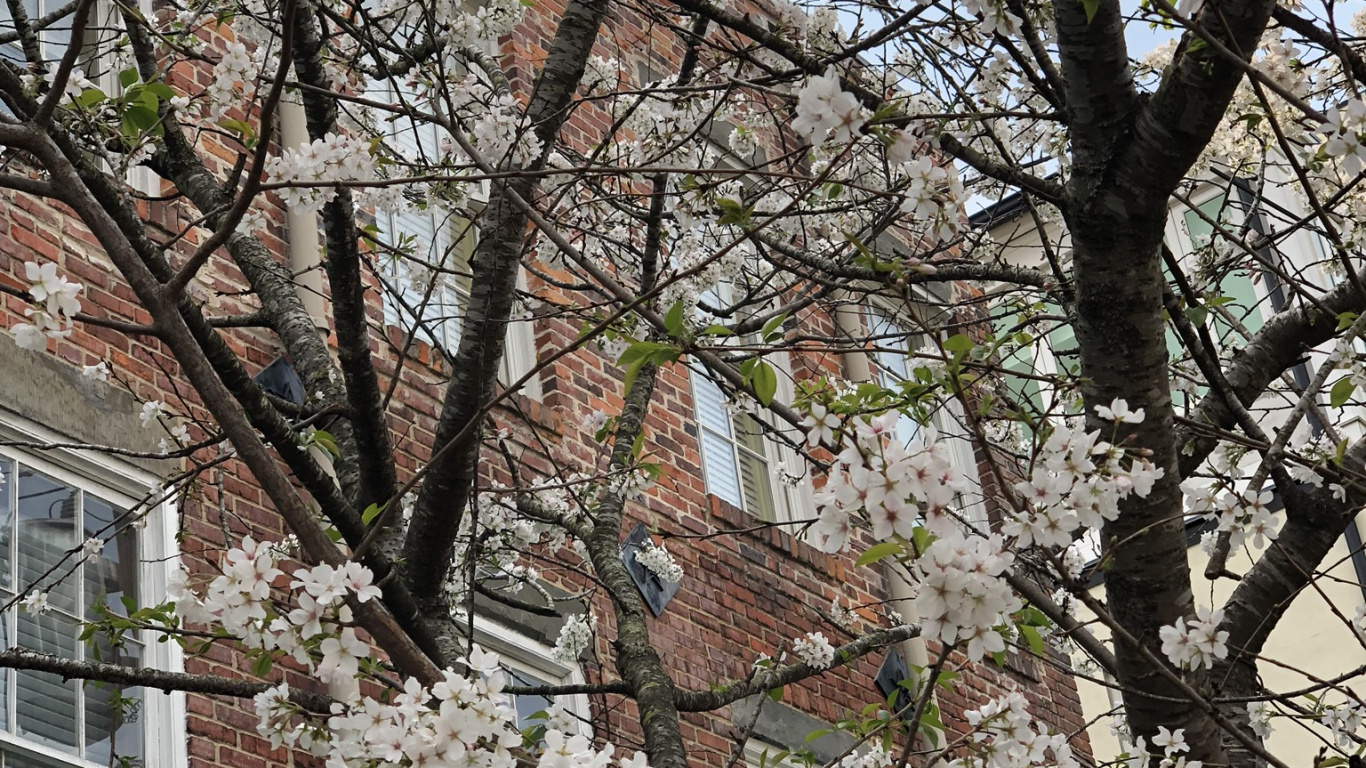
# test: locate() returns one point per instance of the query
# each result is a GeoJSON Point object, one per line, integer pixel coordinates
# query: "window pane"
{"type": "Point", "coordinates": [527, 705]}
{"type": "Point", "coordinates": [718, 463]}
{"type": "Point", "coordinates": [113, 575]}
{"type": "Point", "coordinates": [48, 529]}
{"type": "Point", "coordinates": [714, 438]}
{"type": "Point", "coordinates": [755, 482]}
{"type": "Point", "coordinates": [46, 706]}
{"type": "Point", "coordinates": [113, 714]}
{"type": "Point", "coordinates": [7, 526]}
{"type": "Point", "coordinates": [12, 51]}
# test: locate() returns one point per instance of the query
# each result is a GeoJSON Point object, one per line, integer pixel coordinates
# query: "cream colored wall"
{"type": "Point", "coordinates": [1310, 638]}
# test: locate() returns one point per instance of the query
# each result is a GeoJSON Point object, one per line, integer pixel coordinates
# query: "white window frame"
{"type": "Point", "coordinates": [124, 484]}
{"type": "Point", "coordinates": [788, 501]}
{"type": "Point", "coordinates": [791, 501]}
{"type": "Point", "coordinates": [529, 656]}
{"type": "Point", "coordinates": [140, 178]}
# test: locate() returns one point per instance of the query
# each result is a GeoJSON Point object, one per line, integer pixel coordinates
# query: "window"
{"type": "Point", "coordinates": [427, 292]}
{"type": "Point", "coordinates": [743, 463]}
{"type": "Point", "coordinates": [891, 363]}
{"type": "Point", "coordinates": [895, 346]}
{"type": "Point", "coordinates": [426, 289]}
{"type": "Point", "coordinates": [52, 41]}
{"type": "Point", "coordinates": [736, 463]}
{"type": "Point", "coordinates": [428, 286]}
{"type": "Point", "coordinates": [1194, 231]}
{"type": "Point", "coordinates": [528, 662]}
{"type": "Point", "coordinates": [47, 510]}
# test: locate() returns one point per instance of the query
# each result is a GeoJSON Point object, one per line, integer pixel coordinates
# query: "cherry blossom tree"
{"type": "Point", "coordinates": [787, 166]}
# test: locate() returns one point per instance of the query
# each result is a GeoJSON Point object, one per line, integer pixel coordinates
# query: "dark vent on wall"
{"type": "Point", "coordinates": [657, 592]}
{"type": "Point", "coordinates": [279, 379]}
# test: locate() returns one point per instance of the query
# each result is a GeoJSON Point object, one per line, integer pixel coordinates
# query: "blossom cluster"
{"type": "Point", "coordinates": [1344, 721]}
{"type": "Point", "coordinates": [1006, 736]}
{"type": "Point", "coordinates": [1343, 131]}
{"type": "Point", "coordinates": [574, 638]}
{"type": "Point", "coordinates": [890, 483]}
{"type": "Point", "coordinates": [313, 633]}
{"type": "Point", "coordinates": [313, 169]}
{"type": "Point", "coordinates": [963, 595]}
{"type": "Point", "coordinates": [814, 650]}
{"type": "Point", "coordinates": [1243, 515]}
{"type": "Point", "coordinates": [825, 111]}
{"type": "Point", "coordinates": [1078, 481]}
{"type": "Point", "coordinates": [657, 560]}
{"type": "Point", "coordinates": [56, 301]}
{"type": "Point", "coordinates": [1197, 642]}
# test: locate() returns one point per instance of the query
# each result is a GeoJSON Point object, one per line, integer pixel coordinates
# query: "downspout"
{"type": "Point", "coordinates": [901, 596]}
{"type": "Point", "coordinates": [305, 265]}
{"type": "Point", "coordinates": [1276, 293]}
{"type": "Point", "coordinates": [305, 252]}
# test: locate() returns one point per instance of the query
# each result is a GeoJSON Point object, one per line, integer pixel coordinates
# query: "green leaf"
{"type": "Point", "coordinates": [237, 126]}
{"type": "Point", "coordinates": [327, 442]}
{"type": "Point", "coordinates": [764, 381]}
{"type": "Point", "coordinates": [959, 343]}
{"type": "Point", "coordinates": [90, 97]}
{"type": "Point", "coordinates": [1197, 315]}
{"type": "Point", "coordinates": [1341, 392]}
{"type": "Point", "coordinates": [879, 551]}
{"type": "Point", "coordinates": [1031, 635]}
{"type": "Point", "coordinates": [718, 330]}
{"type": "Point", "coordinates": [642, 352]}
{"type": "Point", "coordinates": [773, 329]}
{"type": "Point", "coordinates": [160, 90]}
{"type": "Point", "coordinates": [776, 694]}
{"type": "Point", "coordinates": [371, 512]}
{"type": "Point", "coordinates": [127, 77]}
{"type": "Point", "coordinates": [1345, 320]}
{"type": "Point", "coordinates": [673, 321]}
{"type": "Point", "coordinates": [1090, 6]}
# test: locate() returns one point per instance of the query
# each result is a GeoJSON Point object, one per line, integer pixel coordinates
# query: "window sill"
{"type": "Point", "coordinates": [777, 538]}
{"type": "Point", "coordinates": [422, 353]}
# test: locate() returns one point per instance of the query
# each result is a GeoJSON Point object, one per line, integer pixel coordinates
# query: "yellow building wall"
{"type": "Point", "coordinates": [1311, 638]}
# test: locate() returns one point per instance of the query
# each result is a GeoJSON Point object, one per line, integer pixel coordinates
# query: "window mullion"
{"type": "Point", "coordinates": [12, 615]}
{"type": "Point", "coordinates": [80, 617]}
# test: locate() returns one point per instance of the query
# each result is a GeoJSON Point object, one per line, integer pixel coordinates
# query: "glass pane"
{"type": "Point", "coordinates": [113, 575]}
{"type": "Point", "coordinates": [45, 706]}
{"type": "Point", "coordinates": [527, 705]}
{"type": "Point", "coordinates": [718, 464]}
{"type": "Point", "coordinates": [7, 526]}
{"type": "Point", "coordinates": [113, 714]}
{"type": "Point", "coordinates": [755, 482]}
{"type": "Point", "coordinates": [16, 760]}
{"type": "Point", "coordinates": [48, 530]}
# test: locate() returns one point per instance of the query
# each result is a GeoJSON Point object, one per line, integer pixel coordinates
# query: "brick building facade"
{"type": "Point", "coordinates": [749, 588]}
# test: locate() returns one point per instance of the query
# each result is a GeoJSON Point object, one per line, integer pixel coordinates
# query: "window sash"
{"type": "Point", "coordinates": [56, 717]}
{"type": "Point", "coordinates": [736, 458]}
